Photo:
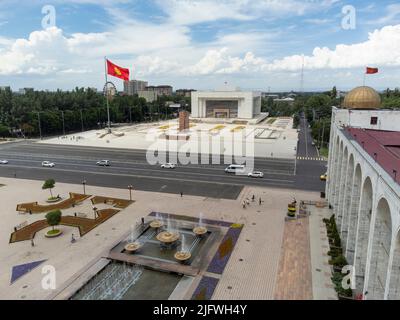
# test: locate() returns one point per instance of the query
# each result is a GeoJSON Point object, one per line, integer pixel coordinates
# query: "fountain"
{"type": "Point", "coordinates": [184, 254]}
{"type": "Point", "coordinates": [157, 222]}
{"type": "Point", "coordinates": [132, 247]}
{"type": "Point", "coordinates": [200, 229]}
{"type": "Point", "coordinates": [169, 236]}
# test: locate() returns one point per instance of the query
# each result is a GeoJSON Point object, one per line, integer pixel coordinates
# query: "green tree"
{"type": "Point", "coordinates": [4, 130]}
{"type": "Point", "coordinates": [334, 92]}
{"type": "Point", "coordinates": [53, 218]}
{"type": "Point", "coordinates": [49, 184]}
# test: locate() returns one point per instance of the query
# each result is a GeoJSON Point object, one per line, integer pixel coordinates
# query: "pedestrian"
{"type": "Point", "coordinates": [15, 174]}
{"type": "Point", "coordinates": [32, 243]}
{"type": "Point", "coordinates": [248, 202]}
{"type": "Point", "coordinates": [244, 204]}
{"type": "Point", "coordinates": [72, 238]}
{"type": "Point", "coordinates": [259, 201]}
{"type": "Point", "coordinates": [252, 198]}
{"type": "Point", "coordinates": [181, 194]}
{"type": "Point", "coordinates": [142, 221]}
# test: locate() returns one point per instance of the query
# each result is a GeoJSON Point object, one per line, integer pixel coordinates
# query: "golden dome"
{"type": "Point", "coordinates": [362, 98]}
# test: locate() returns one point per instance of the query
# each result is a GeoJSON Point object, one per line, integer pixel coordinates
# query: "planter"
{"type": "Point", "coordinates": [53, 233]}
{"type": "Point", "coordinates": [53, 200]}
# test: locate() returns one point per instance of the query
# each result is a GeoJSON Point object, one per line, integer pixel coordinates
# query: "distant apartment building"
{"type": "Point", "coordinates": [150, 96]}
{"type": "Point", "coordinates": [4, 88]}
{"type": "Point", "coordinates": [185, 92]}
{"type": "Point", "coordinates": [132, 87]}
{"type": "Point", "coordinates": [160, 90]}
{"type": "Point", "coordinates": [25, 90]}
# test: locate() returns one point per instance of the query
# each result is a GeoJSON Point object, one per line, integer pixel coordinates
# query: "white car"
{"type": "Point", "coordinates": [3, 161]}
{"type": "Point", "coordinates": [256, 174]}
{"type": "Point", "coordinates": [168, 166]}
{"type": "Point", "coordinates": [104, 163]}
{"type": "Point", "coordinates": [48, 164]}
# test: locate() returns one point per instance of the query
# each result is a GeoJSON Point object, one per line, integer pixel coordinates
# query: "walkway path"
{"type": "Point", "coordinates": [294, 280]}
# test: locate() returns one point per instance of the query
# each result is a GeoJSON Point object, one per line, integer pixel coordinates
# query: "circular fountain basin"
{"type": "Point", "coordinates": [199, 231]}
{"type": "Point", "coordinates": [132, 247]}
{"type": "Point", "coordinates": [156, 224]}
{"type": "Point", "coordinates": [167, 237]}
{"type": "Point", "coordinates": [182, 256]}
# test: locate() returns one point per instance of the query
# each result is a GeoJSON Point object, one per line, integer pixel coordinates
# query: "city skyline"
{"type": "Point", "coordinates": [200, 44]}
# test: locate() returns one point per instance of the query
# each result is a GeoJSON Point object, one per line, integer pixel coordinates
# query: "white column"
{"type": "Point", "coordinates": [389, 270]}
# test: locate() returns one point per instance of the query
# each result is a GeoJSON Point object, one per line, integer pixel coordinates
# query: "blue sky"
{"type": "Point", "coordinates": [253, 44]}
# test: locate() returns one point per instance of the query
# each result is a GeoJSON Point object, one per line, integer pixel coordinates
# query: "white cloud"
{"type": "Point", "coordinates": [381, 49]}
{"type": "Point", "coordinates": [392, 16]}
{"type": "Point", "coordinates": [186, 12]}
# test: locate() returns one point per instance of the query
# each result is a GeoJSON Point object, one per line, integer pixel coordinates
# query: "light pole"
{"type": "Point", "coordinates": [84, 186]}
{"type": "Point", "coordinates": [94, 212]}
{"type": "Point", "coordinates": [130, 187]}
{"type": "Point", "coordinates": [40, 127]}
{"type": "Point", "coordinates": [62, 116]}
{"type": "Point", "coordinates": [82, 120]}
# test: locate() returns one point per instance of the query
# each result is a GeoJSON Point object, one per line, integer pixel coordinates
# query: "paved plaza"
{"type": "Point", "coordinates": [274, 137]}
{"type": "Point", "coordinates": [251, 272]}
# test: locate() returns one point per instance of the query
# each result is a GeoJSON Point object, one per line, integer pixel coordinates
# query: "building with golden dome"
{"type": "Point", "coordinates": [363, 191]}
{"type": "Point", "coordinates": [362, 98]}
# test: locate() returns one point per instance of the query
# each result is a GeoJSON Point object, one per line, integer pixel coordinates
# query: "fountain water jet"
{"type": "Point", "coordinates": [183, 254]}
{"type": "Point", "coordinates": [200, 229]}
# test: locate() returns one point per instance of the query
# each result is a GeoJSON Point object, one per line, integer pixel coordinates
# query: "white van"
{"type": "Point", "coordinates": [235, 168]}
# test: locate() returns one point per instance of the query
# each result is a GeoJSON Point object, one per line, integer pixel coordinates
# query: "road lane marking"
{"type": "Point", "coordinates": [258, 182]}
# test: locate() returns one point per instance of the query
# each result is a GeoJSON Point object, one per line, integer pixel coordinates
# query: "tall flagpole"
{"type": "Point", "coordinates": [108, 107]}
{"type": "Point", "coordinates": [365, 74]}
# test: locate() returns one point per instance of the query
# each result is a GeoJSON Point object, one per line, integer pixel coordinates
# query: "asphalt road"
{"type": "Point", "coordinates": [308, 171]}
{"type": "Point", "coordinates": [130, 167]}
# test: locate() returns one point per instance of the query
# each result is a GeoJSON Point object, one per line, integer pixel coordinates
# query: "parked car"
{"type": "Point", "coordinates": [48, 164]}
{"type": "Point", "coordinates": [104, 163]}
{"type": "Point", "coordinates": [256, 174]}
{"type": "Point", "coordinates": [324, 177]}
{"type": "Point", "coordinates": [3, 161]}
{"type": "Point", "coordinates": [168, 166]}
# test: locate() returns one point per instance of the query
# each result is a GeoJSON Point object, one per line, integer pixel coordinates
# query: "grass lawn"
{"type": "Point", "coordinates": [51, 232]}
{"type": "Point", "coordinates": [324, 152]}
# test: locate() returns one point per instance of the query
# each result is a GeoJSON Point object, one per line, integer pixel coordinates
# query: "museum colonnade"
{"type": "Point", "coordinates": [366, 210]}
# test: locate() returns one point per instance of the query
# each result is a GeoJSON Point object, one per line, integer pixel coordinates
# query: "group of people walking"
{"type": "Point", "coordinates": [246, 202]}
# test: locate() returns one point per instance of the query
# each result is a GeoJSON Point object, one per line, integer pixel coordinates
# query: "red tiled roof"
{"type": "Point", "coordinates": [383, 146]}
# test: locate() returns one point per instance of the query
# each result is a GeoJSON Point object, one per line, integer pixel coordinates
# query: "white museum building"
{"type": "Point", "coordinates": [363, 189]}
{"type": "Point", "coordinates": [227, 104]}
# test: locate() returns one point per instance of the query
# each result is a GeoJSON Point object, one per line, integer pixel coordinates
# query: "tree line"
{"type": "Point", "coordinates": [76, 110]}
{"type": "Point", "coordinates": [317, 109]}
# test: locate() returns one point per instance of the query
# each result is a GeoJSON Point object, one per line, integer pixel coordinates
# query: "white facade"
{"type": "Point", "coordinates": [366, 204]}
{"type": "Point", "coordinates": [248, 103]}
{"type": "Point", "coordinates": [386, 119]}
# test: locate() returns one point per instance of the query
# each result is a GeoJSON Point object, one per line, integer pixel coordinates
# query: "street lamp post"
{"type": "Point", "coordinates": [130, 187]}
{"type": "Point", "coordinates": [63, 122]}
{"type": "Point", "coordinates": [40, 127]}
{"type": "Point", "coordinates": [84, 186]}
{"type": "Point", "coordinates": [82, 121]}
{"type": "Point", "coordinates": [94, 212]}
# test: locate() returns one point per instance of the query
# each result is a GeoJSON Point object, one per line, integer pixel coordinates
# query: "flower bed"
{"type": "Point", "coordinates": [205, 289]}
{"type": "Point", "coordinates": [224, 252]}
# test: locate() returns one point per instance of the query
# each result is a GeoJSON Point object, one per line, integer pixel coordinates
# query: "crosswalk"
{"type": "Point", "coordinates": [311, 158]}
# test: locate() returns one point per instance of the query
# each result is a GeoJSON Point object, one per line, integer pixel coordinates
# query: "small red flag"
{"type": "Point", "coordinates": [372, 70]}
{"type": "Point", "coordinates": [116, 71]}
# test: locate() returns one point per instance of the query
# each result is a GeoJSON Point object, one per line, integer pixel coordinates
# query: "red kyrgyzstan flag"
{"type": "Point", "coordinates": [116, 71]}
{"type": "Point", "coordinates": [372, 70]}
